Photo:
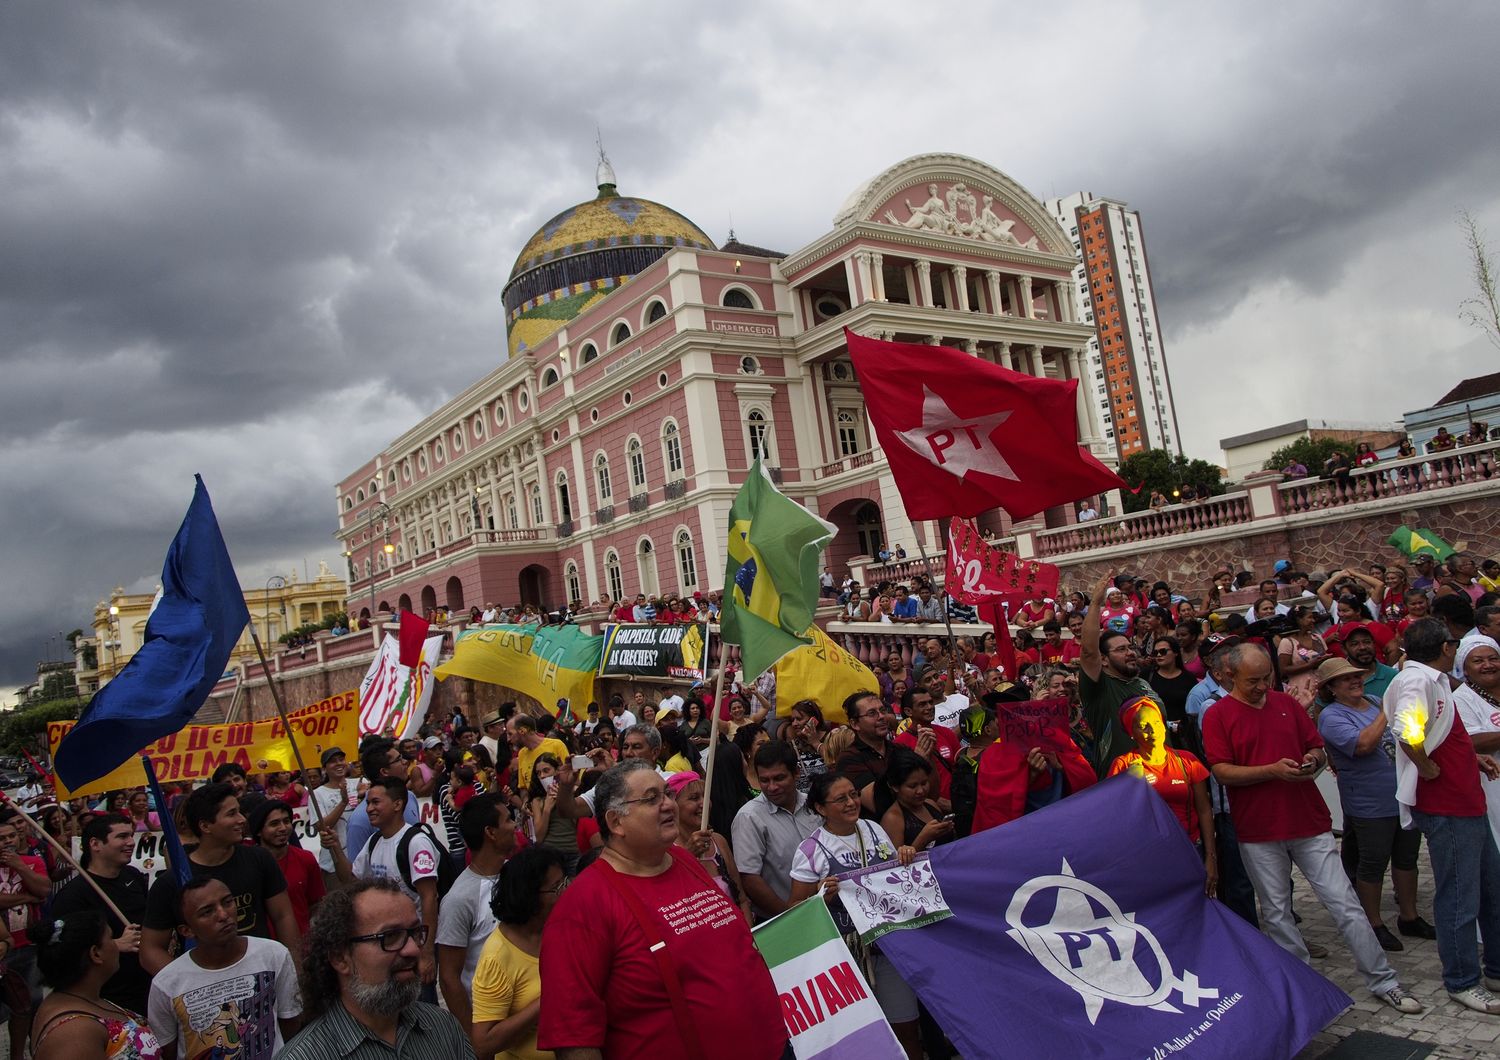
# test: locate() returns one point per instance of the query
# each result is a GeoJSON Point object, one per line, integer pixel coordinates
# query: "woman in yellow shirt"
{"type": "Point", "coordinates": [507, 988]}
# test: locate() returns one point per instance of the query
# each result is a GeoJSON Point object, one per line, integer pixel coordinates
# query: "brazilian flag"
{"type": "Point", "coordinates": [1420, 541]}
{"type": "Point", "coordinates": [771, 579]}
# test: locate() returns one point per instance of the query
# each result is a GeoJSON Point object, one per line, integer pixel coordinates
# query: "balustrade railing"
{"type": "Point", "coordinates": [605, 514]}
{"type": "Point", "coordinates": [873, 642]}
{"type": "Point", "coordinates": [674, 489]}
{"type": "Point", "coordinates": [1396, 478]}
{"type": "Point", "coordinates": [640, 502]}
{"type": "Point", "coordinates": [1232, 509]}
{"type": "Point", "coordinates": [848, 463]}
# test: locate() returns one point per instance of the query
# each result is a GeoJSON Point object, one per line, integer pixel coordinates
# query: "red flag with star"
{"type": "Point", "coordinates": [963, 436]}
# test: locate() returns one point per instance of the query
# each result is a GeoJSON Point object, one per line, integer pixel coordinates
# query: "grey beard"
{"type": "Point", "coordinates": [383, 999]}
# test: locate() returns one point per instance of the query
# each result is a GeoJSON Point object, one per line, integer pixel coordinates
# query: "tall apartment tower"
{"type": "Point", "coordinates": [1127, 365]}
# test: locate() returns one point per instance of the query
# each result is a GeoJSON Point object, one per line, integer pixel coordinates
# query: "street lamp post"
{"type": "Point", "coordinates": [275, 581]}
{"type": "Point", "coordinates": [382, 511]}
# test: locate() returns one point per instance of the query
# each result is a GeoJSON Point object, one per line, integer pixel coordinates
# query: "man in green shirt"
{"type": "Point", "coordinates": [1359, 649]}
{"type": "Point", "coordinates": [1110, 674]}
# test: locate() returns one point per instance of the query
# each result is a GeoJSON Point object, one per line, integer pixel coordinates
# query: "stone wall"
{"type": "Point", "coordinates": [1310, 544]}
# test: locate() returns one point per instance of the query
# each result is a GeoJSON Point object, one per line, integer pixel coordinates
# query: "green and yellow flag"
{"type": "Point", "coordinates": [547, 663]}
{"type": "Point", "coordinates": [771, 579]}
{"type": "Point", "coordinates": [1420, 541]}
{"type": "Point", "coordinates": [823, 672]}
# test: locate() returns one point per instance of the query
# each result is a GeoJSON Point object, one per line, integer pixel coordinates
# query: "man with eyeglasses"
{"type": "Point", "coordinates": [1263, 748]}
{"type": "Point", "coordinates": [864, 762]}
{"type": "Point", "coordinates": [1110, 677]}
{"type": "Point", "coordinates": [361, 983]}
{"type": "Point", "coordinates": [649, 957]}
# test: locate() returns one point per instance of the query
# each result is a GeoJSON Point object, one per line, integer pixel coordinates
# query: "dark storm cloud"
{"type": "Point", "coordinates": [260, 240]}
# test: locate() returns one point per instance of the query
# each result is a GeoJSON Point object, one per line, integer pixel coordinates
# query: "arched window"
{"type": "Point", "coordinates": [850, 441]}
{"type": "Point", "coordinates": [390, 476]}
{"type": "Point", "coordinates": [612, 575]}
{"type": "Point", "coordinates": [564, 503]}
{"type": "Point", "coordinates": [635, 456]}
{"type": "Point", "coordinates": [575, 588]}
{"type": "Point", "coordinates": [536, 505]}
{"type": "Point", "coordinates": [656, 311]}
{"type": "Point", "coordinates": [359, 494]}
{"type": "Point", "coordinates": [757, 428]}
{"type": "Point", "coordinates": [737, 298]}
{"type": "Point", "coordinates": [601, 478]}
{"type": "Point", "coordinates": [510, 512]}
{"type": "Point", "coordinates": [687, 567]}
{"type": "Point", "coordinates": [645, 564]}
{"type": "Point", "coordinates": [619, 334]}
{"type": "Point", "coordinates": [549, 378]}
{"type": "Point", "coordinates": [590, 353]}
{"type": "Point", "coordinates": [348, 503]}
{"type": "Point", "coordinates": [672, 448]}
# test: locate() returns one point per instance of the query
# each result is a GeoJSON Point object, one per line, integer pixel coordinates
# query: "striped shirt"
{"type": "Point", "coordinates": [424, 1032]}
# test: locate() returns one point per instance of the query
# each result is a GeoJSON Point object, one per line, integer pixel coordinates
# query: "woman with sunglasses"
{"type": "Point", "coordinates": [1169, 679]}
{"type": "Point", "coordinates": [843, 844]}
{"type": "Point", "coordinates": [507, 990]}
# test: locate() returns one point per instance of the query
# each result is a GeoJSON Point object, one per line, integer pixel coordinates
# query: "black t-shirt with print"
{"type": "Point", "coordinates": [129, 986]}
{"type": "Point", "coordinates": [252, 876]}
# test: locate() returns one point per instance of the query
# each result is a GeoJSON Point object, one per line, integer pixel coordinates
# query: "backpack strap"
{"type": "Point", "coordinates": [403, 856]}
{"type": "Point", "coordinates": [664, 962]}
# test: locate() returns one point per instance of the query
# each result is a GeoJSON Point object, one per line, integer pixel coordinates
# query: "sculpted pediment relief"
{"type": "Point", "coordinates": [956, 209]}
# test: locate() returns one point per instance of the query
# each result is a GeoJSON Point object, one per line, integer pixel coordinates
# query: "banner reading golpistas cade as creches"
{"type": "Point", "coordinates": [260, 746]}
{"type": "Point", "coordinates": [662, 652]}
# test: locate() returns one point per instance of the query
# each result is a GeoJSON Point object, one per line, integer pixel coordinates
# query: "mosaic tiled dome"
{"type": "Point", "coordinates": [583, 254]}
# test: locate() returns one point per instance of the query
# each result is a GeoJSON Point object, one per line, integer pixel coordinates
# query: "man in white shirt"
{"type": "Point", "coordinates": [465, 919]}
{"type": "Point", "coordinates": [416, 874]}
{"type": "Point", "coordinates": [494, 728]}
{"type": "Point", "coordinates": [331, 800]}
{"type": "Point", "coordinates": [672, 701]}
{"type": "Point", "coordinates": [619, 717]}
{"type": "Point", "coordinates": [232, 994]}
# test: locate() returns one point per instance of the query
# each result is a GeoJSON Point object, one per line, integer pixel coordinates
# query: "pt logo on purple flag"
{"type": "Point", "coordinates": [1082, 931]}
{"type": "Point", "coordinates": [1090, 945]}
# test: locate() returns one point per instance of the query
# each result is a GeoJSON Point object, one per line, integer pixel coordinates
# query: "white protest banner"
{"type": "Point", "coordinates": [393, 697]}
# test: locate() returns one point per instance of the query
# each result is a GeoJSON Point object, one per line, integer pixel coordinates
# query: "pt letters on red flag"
{"type": "Point", "coordinates": [963, 436]}
{"type": "Point", "coordinates": [979, 573]}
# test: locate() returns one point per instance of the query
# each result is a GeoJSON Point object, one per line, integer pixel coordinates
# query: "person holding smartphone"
{"type": "Point", "coordinates": [550, 828]}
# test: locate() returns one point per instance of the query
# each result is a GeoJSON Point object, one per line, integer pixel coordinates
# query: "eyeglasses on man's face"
{"type": "Point", "coordinates": [654, 797]}
{"type": "Point", "coordinates": [393, 940]}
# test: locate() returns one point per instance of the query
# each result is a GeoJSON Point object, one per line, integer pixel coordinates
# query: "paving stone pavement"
{"type": "Point", "coordinates": [1456, 1032]}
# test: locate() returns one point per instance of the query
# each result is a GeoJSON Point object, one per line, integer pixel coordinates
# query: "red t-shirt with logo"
{"type": "Point", "coordinates": [1456, 791]}
{"type": "Point", "coordinates": [1173, 780]}
{"type": "Point", "coordinates": [596, 958]}
{"type": "Point", "coordinates": [947, 750]}
{"type": "Point", "coordinates": [1238, 734]}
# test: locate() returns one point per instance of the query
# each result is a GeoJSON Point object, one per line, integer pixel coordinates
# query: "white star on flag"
{"type": "Point", "coordinates": [954, 444]}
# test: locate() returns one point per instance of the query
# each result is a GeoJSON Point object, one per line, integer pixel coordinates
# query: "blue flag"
{"type": "Point", "coordinates": [176, 855]}
{"type": "Point", "coordinates": [1082, 930]}
{"type": "Point", "coordinates": [189, 638]}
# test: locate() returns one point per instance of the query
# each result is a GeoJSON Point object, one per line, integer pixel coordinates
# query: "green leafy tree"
{"type": "Point", "coordinates": [1158, 469]}
{"type": "Point", "coordinates": [26, 727]}
{"type": "Point", "coordinates": [1309, 452]}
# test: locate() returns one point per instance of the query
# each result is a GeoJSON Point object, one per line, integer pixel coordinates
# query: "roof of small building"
{"type": "Point", "coordinates": [748, 250]}
{"type": "Point", "coordinates": [1477, 387]}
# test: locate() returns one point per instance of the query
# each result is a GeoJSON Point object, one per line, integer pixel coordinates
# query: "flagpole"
{"type": "Point", "coordinates": [713, 743]}
{"type": "Point", "coordinates": [286, 722]}
{"type": "Point", "coordinates": [67, 856]}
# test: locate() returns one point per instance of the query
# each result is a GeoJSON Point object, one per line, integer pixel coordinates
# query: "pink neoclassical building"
{"type": "Point", "coordinates": [648, 367]}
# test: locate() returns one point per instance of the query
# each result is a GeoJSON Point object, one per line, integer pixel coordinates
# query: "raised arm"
{"type": "Point", "coordinates": [1089, 659]}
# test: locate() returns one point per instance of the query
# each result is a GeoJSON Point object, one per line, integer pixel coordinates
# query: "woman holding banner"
{"type": "Point", "coordinates": [843, 844]}
{"type": "Point", "coordinates": [1177, 776]}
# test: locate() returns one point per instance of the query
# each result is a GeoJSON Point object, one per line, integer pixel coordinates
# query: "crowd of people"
{"type": "Point", "coordinates": [576, 890]}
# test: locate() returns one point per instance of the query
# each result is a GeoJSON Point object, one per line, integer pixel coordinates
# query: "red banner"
{"type": "Point", "coordinates": [979, 573]}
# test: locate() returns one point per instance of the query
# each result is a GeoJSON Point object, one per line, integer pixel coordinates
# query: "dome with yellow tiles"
{"type": "Point", "coordinates": [583, 254]}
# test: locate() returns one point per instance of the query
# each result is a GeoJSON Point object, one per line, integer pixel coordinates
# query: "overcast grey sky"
{"type": "Point", "coordinates": [259, 240]}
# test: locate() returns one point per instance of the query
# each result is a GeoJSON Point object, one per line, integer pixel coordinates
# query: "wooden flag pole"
{"type": "Point", "coordinates": [713, 745]}
{"type": "Point", "coordinates": [67, 855]}
{"type": "Point", "coordinates": [286, 724]}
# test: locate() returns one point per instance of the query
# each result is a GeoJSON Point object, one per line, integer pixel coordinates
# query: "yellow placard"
{"type": "Point", "coordinates": [260, 746]}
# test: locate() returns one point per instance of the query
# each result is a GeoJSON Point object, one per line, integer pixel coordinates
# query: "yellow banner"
{"type": "Point", "coordinates": [259, 746]}
{"type": "Point", "coordinates": [824, 673]}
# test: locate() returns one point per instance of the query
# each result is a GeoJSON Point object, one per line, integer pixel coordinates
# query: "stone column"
{"type": "Point", "coordinates": [1028, 302]}
{"type": "Point", "coordinates": [862, 268]}
{"type": "Point", "coordinates": [877, 277]}
{"type": "Point", "coordinates": [961, 287]}
{"type": "Point", "coordinates": [1002, 356]}
{"type": "Point", "coordinates": [971, 347]}
{"type": "Point", "coordinates": [1089, 414]}
{"type": "Point", "coordinates": [924, 281]}
{"type": "Point", "coordinates": [992, 285]}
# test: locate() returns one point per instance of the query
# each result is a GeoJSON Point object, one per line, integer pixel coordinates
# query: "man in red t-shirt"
{"type": "Point", "coordinates": [1446, 802]}
{"type": "Point", "coordinates": [936, 743]}
{"type": "Point", "coordinates": [647, 929]}
{"type": "Point", "coordinates": [1263, 748]}
{"type": "Point", "coordinates": [23, 886]}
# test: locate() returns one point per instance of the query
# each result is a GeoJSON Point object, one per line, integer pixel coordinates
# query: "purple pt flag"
{"type": "Point", "coordinates": [1082, 930]}
{"type": "Point", "coordinates": [189, 638]}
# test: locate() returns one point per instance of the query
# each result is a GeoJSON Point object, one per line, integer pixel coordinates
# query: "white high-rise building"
{"type": "Point", "coordinates": [1127, 364]}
